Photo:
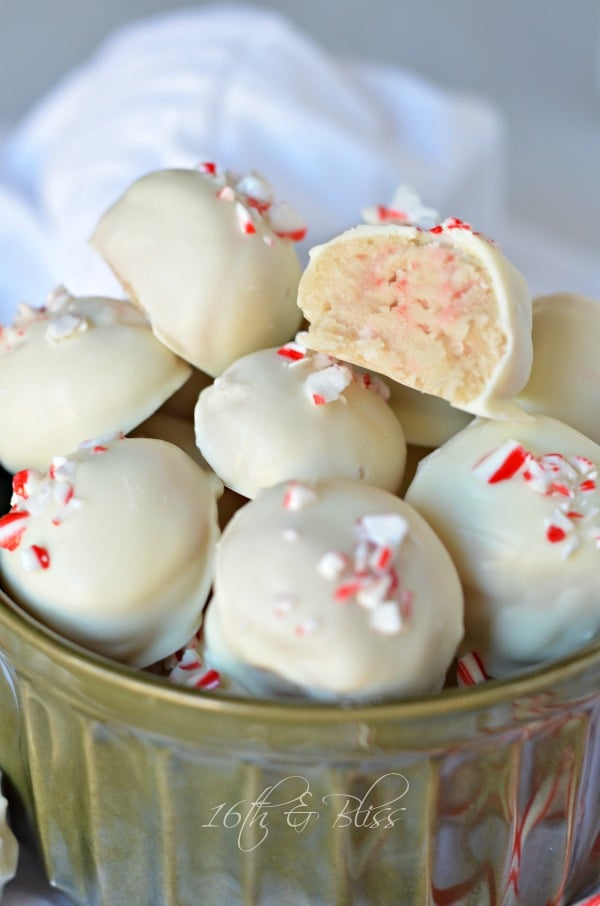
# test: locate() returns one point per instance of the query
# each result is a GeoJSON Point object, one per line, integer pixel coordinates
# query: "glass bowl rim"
{"type": "Point", "coordinates": [77, 659]}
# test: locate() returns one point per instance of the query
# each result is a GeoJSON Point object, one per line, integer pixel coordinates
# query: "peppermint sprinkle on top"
{"type": "Point", "coordinates": [368, 576]}
{"type": "Point", "coordinates": [254, 201]}
{"type": "Point", "coordinates": [327, 384]}
{"type": "Point", "coordinates": [328, 377]}
{"type": "Point", "coordinates": [405, 207]}
{"type": "Point", "coordinates": [568, 481]}
{"type": "Point", "coordinates": [65, 326]}
{"type": "Point", "coordinates": [295, 352]}
{"type": "Point", "coordinates": [297, 496]}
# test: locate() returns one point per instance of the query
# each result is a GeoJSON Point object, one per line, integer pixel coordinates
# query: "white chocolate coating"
{"type": "Point", "coordinates": [80, 368]}
{"type": "Point", "coordinates": [212, 291]}
{"type": "Point", "coordinates": [116, 547]}
{"type": "Point", "coordinates": [565, 377]}
{"type": "Point", "coordinates": [524, 533]}
{"type": "Point", "coordinates": [269, 418]}
{"type": "Point", "coordinates": [427, 421]}
{"type": "Point", "coordinates": [359, 263]}
{"type": "Point", "coordinates": [335, 590]}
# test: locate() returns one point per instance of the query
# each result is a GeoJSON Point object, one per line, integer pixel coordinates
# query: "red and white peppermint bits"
{"type": "Point", "coordinates": [383, 529]}
{"type": "Point", "coordinates": [12, 526]}
{"type": "Point", "coordinates": [570, 482]}
{"type": "Point", "coordinates": [286, 223]}
{"type": "Point", "coordinates": [258, 193]}
{"type": "Point", "coordinates": [297, 496]}
{"type": "Point", "coordinates": [244, 219]}
{"type": "Point", "coordinates": [34, 558]}
{"type": "Point", "coordinates": [293, 352]}
{"type": "Point", "coordinates": [405, 207]}
{"type": "Point", "coordinates": [24, 484]}
{"type": "Point", "coordinates": [327, 384]}
{"type": "Point", "coordinates": [33, 493]}
{"type": "Point", "coordinates": [57, 299]}
{"type": "Point", "coordinates": [209, 167]}
{"type": "Point", "coordinates": [65, 326]}
{"type": "Point", "coordinates": [253, 197]}
{"type": "Point", "coordinates": [327, 377]}
{"type": "Point", "coordinates": [100, 444]}
{"type": "Point", "coordinates": [502, 463]}
{"type": "Point", "coordinates": [189, 671]}
{"type": "Point", "coordinates": [368, 576]}
{"type": "Point", "coordinates": [470, 670]}
{"type": "Point", "coordinates": [371, 382]}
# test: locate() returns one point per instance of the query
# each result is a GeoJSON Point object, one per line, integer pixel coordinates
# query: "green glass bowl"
{"type": "Point", "coordinates": [138, 792]}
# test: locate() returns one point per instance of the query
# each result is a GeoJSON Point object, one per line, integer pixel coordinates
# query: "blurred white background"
{"type": "Point", "coordinates": [537, 60]}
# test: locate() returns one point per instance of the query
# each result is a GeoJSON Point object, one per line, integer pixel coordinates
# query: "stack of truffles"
{"type": "Point", "coordinates": [352, 483]}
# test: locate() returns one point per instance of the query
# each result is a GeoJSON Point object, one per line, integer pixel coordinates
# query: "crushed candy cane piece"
{"type": "Point", "coordinates": [227, 193]}
{"type": "Point", "coordinates": [286, 222]}
{"type": "Point", "coordinates": [244, 219]}
{"type": "Point", "coordinates": [25, 483]}
{"type": "Point", "coordinates": [253, 193]}
{"type": "Point", "coordinates": [295, 352]}
{"type": "Point", "coordinates": [568, 482]}
{"type": "Point", "coordinates": [297, 496]}
{"type": "Point", "coordinates": [189, 671]}
{"type": "Point", "coordinates": [34, 558]}
{"type": "Point", "coordinates": [405, 207]}
{"type": "Point", "coordinates": [208, 166]}
{"type": "Point", "coordinates": [501, 463]}
{"type": "Point", "coordinates": [65, 326]}
{"type": "Point", "coordinates": [369, 576]}
{"type": "Point", "coordinates": [256, 189]}
{"type": "Point", "coordinates": [12, 526]}
{"type": "Point", "coordinates": [470, 670]}
{"type": "Point", "coordinates": [332, 564]}
{"type": "Point", "coordinates": [99, 444]}
{"type": "Point", "coordinates": [57, 298]}
{"type": "Point", "coordinates": [386, 618]}
{"type": "Point", "coordinates": [327, 384]}
{"type": "Point", "coordinates": [383, 528]}
{"type": "Point", "coordinates": [62, 469]}
{"type": "Point", "coordinates": [373, 592]}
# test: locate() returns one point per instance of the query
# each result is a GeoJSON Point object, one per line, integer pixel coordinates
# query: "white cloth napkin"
{"type": "Point", "coordinates": [243, 87]}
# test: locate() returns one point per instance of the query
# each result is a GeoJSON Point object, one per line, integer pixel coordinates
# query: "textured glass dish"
{"type": "Point", "coordinates": [139, 792]}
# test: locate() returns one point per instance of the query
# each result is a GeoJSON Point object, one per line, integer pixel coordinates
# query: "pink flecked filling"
{"type": "Point", "coordinates": [424, 314]}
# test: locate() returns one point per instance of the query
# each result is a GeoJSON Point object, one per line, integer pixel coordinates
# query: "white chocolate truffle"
{"type": "Point", "coordinates": [332, 590]}
{"type": "Point", "coordinates": [113, 547]}
{"type": "Point", "coordinates": [427, 421]}
{"type": "Point", "coordinates": [289, 413]}
{"type": "Point", "coordinates": [517, 505]}
{"type": "Point", "coordinates": [439, 310]}
{"type": "Point", "coordinates": [75, 369]}
{"type": "Point", "coordinates": [565, 377]}
{"type": "Point", "coordinates": [193, 250]}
